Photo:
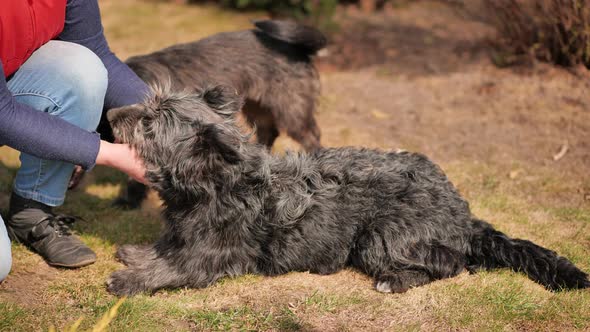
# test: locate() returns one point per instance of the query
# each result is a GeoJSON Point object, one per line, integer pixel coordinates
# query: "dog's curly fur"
{"type": "Point", "coordinates": [270, 67]}
{"type": "Point", "coordinates": [232, 208]}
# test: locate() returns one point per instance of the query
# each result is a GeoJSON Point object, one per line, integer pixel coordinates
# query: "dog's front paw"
{"type": "Point", "coordinates": [125, 282]}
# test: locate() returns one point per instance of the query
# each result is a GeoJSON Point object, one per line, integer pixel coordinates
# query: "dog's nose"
{"type": "Point", "coordinates": [112, 114]}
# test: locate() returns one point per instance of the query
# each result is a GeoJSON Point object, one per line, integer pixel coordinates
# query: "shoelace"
{"type": "Point", "coordinates": [62, 223]}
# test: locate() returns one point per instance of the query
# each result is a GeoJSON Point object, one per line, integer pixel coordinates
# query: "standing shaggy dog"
{"type": "Point", "coordinates": [232, 208]}
{"type": "Point", "coordinates": [270, 67]}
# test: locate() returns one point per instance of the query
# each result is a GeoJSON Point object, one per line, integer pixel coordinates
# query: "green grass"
{"type": "Point", "coordinates": [12, 316]}
{"type": "Point", "coordinates": [505, 299]}
{"type": "Point", "coordinates": [244, 318]}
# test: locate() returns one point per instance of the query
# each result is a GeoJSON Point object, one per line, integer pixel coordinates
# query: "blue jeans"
{"type": "Point", "coordinates": [5, 255]}
{"type": "Point", "coordinates": [66, 80]}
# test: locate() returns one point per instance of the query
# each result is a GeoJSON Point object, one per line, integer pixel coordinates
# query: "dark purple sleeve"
{"type": "Point", "coordinates": [42, 135]}
{"type": "Point", "coordinates": [83, 26]}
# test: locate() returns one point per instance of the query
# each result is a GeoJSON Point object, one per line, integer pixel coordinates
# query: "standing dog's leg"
{"type": "Point", "coordinates": [263, 120]}
{"type": "Point", "coordinates": [294, 113]}
{"type": "Point", "coordinates": [305, 130]}
{"type": "Point", "coordinates": [267, 136]}
{"type": "Point", "coordinates": [131, 196]}
{"type": "Point", "coordinates": [309, 138]}
{"type": "Point", "coordinates": [134, 193]}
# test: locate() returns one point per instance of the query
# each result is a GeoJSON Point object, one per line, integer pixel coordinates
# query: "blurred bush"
{"type": "Point", "coordinates": [301, 6]}
{"type": "Point", "coordinates": [557, 31]}
{"type": "Point", "coordinates": [316, 12]}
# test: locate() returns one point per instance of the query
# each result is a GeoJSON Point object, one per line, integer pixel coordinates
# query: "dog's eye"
{"type": "Point", "coordinates": [146, 127]}
{"type": "Point", "coordinates": [410, 175]}
{"type": "Point", "coordinates": [146, 121]}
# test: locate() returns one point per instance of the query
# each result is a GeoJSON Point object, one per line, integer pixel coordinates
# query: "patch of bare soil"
{"type": "Point", "coordinates": [420, 39]}
{"type": "Point", "coordinates": [419, 78]}
{"type": "Point", "coordinates": [28, 287]}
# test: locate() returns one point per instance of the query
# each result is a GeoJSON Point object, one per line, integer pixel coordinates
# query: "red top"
{"type": "Point", "coordinates": [25, 25]}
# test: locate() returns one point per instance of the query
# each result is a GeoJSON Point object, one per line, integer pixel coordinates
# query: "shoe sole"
{"type": "Point", "coordinates": [73, 266]}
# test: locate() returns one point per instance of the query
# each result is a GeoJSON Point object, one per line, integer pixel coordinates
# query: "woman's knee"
{"type": "Point", "coordinates": [80, 81]}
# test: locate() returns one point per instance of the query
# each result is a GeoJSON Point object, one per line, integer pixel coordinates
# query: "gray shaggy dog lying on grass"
{"type": "Point", "coordinates": [231, 208]}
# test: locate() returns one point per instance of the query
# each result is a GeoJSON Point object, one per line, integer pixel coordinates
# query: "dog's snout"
{"type": "Point", "coordinates": [112, 115]}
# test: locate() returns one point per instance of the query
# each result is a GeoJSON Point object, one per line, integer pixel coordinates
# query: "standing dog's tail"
{"type": "Point", "coordinates": [308, 39]}
{"type": "Point", "coordinates": [490, 249]}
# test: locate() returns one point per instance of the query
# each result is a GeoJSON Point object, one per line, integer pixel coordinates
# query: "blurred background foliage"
{"type": "Point", "coordinates": [555, 31]}
{"type": "Point", "coordinates": [315, 12]}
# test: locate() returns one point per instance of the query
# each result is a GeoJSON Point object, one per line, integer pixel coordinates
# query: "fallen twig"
{"type": "Point", "coordinates": [562, 152]}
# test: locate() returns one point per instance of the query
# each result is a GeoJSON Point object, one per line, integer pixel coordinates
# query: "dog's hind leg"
{"type": "Point", "coordinates": [301, 126]}
{"type": "Point", "coordinates": [425, 262]}
{"type": "Point", "coordinates": [397, 269]}
{"type": "Point", "coordinates": [401, 281]}
{"type": "Point", "coordinates": [263, 119]}
{"type": "Point", "coordinates": [294, 113]}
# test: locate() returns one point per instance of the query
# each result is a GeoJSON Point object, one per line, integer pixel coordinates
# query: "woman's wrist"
{"type": "Point", "coordinates": [104, 156]}
{"type": "Point", "coordinates": [121, 157]}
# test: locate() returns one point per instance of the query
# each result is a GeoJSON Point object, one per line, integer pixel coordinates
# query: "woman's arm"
{"type": "Point", "coordinates": [42, 135]}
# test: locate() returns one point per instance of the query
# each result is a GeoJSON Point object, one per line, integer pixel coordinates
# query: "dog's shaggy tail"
{"type": "Point", "coordinates": [308, 39]}
{"type": "Point", "coordinates": [491, 249]}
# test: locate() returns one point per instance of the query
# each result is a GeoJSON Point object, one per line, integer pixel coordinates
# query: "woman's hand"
{"type": "Point", "coordinates": [122, 157]}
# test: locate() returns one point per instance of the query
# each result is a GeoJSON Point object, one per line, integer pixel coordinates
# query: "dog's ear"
{"type": "Point", "coordinates": [223, 99]}
{"type": "Point", "coordinates": [211, 139]}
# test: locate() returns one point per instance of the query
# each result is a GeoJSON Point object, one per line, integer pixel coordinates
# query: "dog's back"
{"type": "Point", "coordinates": [270, 66]}
{"type": "Point", "coordinates": [249, 60]}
